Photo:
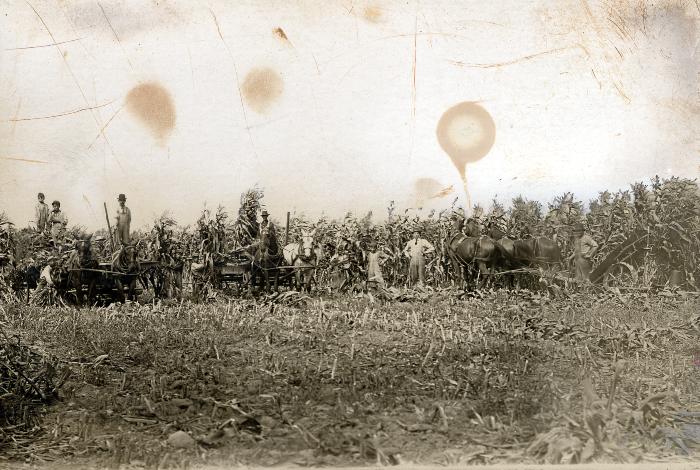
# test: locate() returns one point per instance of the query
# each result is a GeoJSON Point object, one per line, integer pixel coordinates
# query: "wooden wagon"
{"type": "Point", "coordinates": [106, 287]}
{"type": "Point", "coordinates": [238, 273]}
{"type": "Point", "coordinates": [234, 272]}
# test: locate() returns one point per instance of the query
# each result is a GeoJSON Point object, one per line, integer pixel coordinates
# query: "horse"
{"type": "Point", "coordinates": [531, 252]}
{"type": "Point", "coordinates": [25, 276]}
{"type": "Point", "coordinates": [263, 259]}
{"type": "Point", "coordinates": [534, 252]}
{"type": "Point", "coordinates": [469, 250]}
{"type": "Point", "coordinates": [80, 266]}
{"type": "Point", "coordinates": [304, 257]}
{"type": "Point", "coordinates": [126, 269]}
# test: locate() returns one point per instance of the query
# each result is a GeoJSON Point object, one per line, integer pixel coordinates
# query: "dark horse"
{"type": "Point", "coordinates": [535, 252]}
{"type": "Point", "coordinates": [264, 259]}
{"type": "Point", "coordinates": [81, 268]}
{"type": "Point", "coordinates": [468, 251]}
{"type": "Point", "coordinates": [126, 270]}
{"type": "Point", "coordinates": [531, 252]}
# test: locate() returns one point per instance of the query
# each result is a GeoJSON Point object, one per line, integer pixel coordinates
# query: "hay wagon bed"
{"type": "Point", "coordinates": [105, 280]}
{"type": "Point", "coordinates": [237, 272]}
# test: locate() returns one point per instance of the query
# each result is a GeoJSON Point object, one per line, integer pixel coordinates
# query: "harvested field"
{"type": "Point", "coordinates": [499, 377]}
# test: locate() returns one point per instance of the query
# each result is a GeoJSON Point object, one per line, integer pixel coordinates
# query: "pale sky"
{"type": "Point", "coordinates": [333, 105]}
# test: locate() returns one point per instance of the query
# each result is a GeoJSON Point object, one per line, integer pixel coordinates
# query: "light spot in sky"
{"type": "Point", "coordinates": [466, 132]}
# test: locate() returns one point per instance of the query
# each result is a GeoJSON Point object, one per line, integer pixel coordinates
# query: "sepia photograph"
{"type": "Point", "coordinates": [349, 234]}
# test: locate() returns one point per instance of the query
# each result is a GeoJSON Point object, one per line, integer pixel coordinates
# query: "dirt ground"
{"type": "Point", "coordinates": [509, 378]}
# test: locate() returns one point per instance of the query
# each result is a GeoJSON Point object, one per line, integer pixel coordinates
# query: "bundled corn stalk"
{"type": "Point", "coordinates": [209, 250]}
{"type": "Point", "coordinates": [46, 296]}
{"type": "Point", "coordinates": [161, 239]}
{"type": "Point", "coordinates": [212, 232]}
{"type": "Point", "coordinates": [245, 229]}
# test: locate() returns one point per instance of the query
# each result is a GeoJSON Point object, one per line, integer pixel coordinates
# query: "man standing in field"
{"type": "Point", "coordinates": [123, 221]}
{"type": "Point", "coordinates": [57, 222]}
{"type": "Point", "coordinates": [416, 249]}
{"type": "Point", "coordinates": [375, 257]}
{"type": "Point", "coordinates": [584, 250]}
{"type": "Point", "coordinates": [41, 214]}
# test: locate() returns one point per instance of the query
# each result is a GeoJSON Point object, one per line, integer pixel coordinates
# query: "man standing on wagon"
{"type": "Point", "coordinates": [123, 221]}
{"type": "Point", "coordinates": [41, 214]}
{"type": "Point", "coordinates": [57, 222]}
{"type": "Point", "coordinates": [416, 249]}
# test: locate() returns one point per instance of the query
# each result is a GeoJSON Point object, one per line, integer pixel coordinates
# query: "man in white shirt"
{"type": "Point", "coordinates": [123, 221]}
{"type": "Point", "coordinates": [416, 249]}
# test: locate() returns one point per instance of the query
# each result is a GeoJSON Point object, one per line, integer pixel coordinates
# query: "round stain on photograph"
{"type": "Point", "coordinates": [466, 132]}
{"type": "Point", "coordinates": [261, 87]}
{"type": "Point", "coordinates": [152, 104]}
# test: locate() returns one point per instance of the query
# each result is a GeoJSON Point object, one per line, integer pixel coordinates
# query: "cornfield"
{"type": "Point", "coordinates": [665, 213]}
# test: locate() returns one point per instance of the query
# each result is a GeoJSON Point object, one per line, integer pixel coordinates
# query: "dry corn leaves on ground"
{"type": "Point", "coordinates": [340, 380]}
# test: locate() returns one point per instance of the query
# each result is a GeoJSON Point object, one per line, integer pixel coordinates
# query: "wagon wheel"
{"type": "Point", "coordinates": [621, 273]}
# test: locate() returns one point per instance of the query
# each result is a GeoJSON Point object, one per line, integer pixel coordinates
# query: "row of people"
{"type": "Point", "coordinates": [55, 221]}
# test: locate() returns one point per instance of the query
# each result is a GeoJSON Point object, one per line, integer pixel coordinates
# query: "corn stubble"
{"type": "Point", "coordinates": [504, 377]}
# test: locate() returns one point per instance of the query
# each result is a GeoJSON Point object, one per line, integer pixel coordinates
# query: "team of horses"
{"type": "Point", "coordinates": [266, 261]}
{"type": "Point", "coordinates": [490, 254]}
{"type": "Point", "coordinates": [80, 277]}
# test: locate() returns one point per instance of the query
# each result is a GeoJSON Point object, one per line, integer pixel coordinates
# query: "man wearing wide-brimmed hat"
{"type": "Point", "coordinates": [264, 214]}
{"type": "Point", "coordinates": [268, 228]}
{"type": "Point", "coordinates": [416, 249]}
{"type": "Point", "coordinates": [584, 250]}
{"type": "Point", "coordinates": [123, 221]}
